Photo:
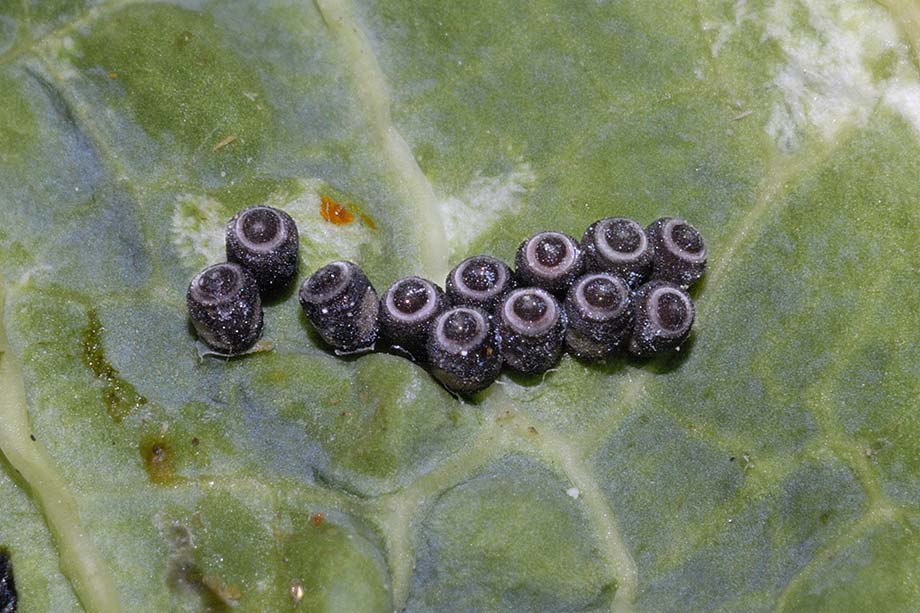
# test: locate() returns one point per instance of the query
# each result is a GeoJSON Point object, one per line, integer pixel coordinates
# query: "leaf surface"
{"type": "Point", "coordinates": [771, 464]}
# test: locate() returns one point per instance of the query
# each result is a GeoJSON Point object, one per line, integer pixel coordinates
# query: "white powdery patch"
{"type": "Point", "coordinates": [724, 31]}
{"type": "Point", "coordinates": [827, 81]}
{"type": "Point", "coordinates": [904, 96]}
{"type": "Point", "coordinates": [482, 203]}
{"type": "Point", "coordinates": [198, 225]}
{"type": "Point", "coordinates": [321, 241]}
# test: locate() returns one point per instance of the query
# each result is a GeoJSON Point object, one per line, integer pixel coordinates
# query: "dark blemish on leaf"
{"type": "Point", "coordinates": [120, 396]}
{"type": "Point", "coordinates": [731, 459]}
{"type": "Point", "coordinates": [8, 596]}
{"type": "Point", "coordinates": [184, 571]}
{"type": "Point", "coordinates": [531, 430]}
{"type": "Point", "coordinates": [505, 417]}
{"type": "Point", "coordinates": [158, 457]}
{"type": "Point", "coordinates": [317, 519]}
{"type": "Point", "coordinates": [333, 212]}
{"type": "Point", "coordinates": [184, 39]}
{"type": "Point", "coordinates": [195, 441]}
{"type": "Point", "coordinates": [824, 518]}
{"type": "Point", "coordinates": [32, 436]}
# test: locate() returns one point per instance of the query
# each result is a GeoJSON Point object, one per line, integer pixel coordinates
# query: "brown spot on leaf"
{"type": "Point", "coordinates": [119, 395]}
{"type": "Point", "coordinates": [158, 458]}
{"type": "Point", "coordinates": [505, 417]}
{"type": "Point", "coordinates": [184, 39]}
{"type": "Point", "coordinates": [317, 519]}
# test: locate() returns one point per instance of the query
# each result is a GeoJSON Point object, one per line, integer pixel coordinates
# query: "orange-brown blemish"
{"type": "Point", "coordinates": [317, 519]}
{"type": "Point", "coordinates": [333, 212]}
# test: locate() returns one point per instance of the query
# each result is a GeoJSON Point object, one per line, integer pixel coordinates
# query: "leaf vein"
{"type": "Point", "coordinates": [80, 561]}
{"type": "Point", "coordinates": [373, 92]}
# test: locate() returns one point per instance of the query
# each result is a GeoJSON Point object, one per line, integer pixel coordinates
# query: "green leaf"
{"type": "Point", "coordinates": [771, 464]}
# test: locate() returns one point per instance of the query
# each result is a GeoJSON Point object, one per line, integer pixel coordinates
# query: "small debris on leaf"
{"type": "Point", "coordinates": [227, 141]}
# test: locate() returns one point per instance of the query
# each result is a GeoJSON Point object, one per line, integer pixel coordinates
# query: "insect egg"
{"type": "Point", "coordinates": [225, 307]}
{"type": "Point", "coordinates": [618, 245]}
{"type": "Point", "coordinates": [550, 260]}
{"type": "Point", "coordinates": [8, 595]}
{"type": "Point", "coordinates": [464, 350]}
{"type": "Point", "coordinates": [532, 328]}
{"type": "Point", "coordinates": [599, 311]}
{"type": "Point", "coordinates": [264, 240]}
{"type": "Point", "coordinates": [406, 311]}
{"type": "Point", "coordinates": [480, 281]}
{"type": "Point", "coordinates": [680, 253]}
{"type": "Point", "coordinates": [664, 316]}
{"type": "Point", "coordinates": [342, 305]}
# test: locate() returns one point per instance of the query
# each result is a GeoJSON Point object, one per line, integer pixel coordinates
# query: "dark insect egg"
{"type": "Point", "coordinates": [680, 253]}
{"type": "Point", "coordinates": [480, 281]}
{"type": "Point", "coordinates": [599, 312]}
{"type": "Point", "coordinates": [406, 312]}
{"type": "Point", "coordinates": [620, 246]}
{"type": "Point", "coordinates": [225, 307]}
{"type": "Point", "coordinates": [264, 240]}
{"type": "Point", "coordinates": [9, 599]}
{"type": "Point", "coordinates": [664, 316]}
{"type": "Point", "coordinates": [342, 305]}
{"type": "Point", "coordinates": [549, 260]}
{"type": "Point", "coordinates": [464, 350]}
{"type": "Point", "coordinates": [532, 328]}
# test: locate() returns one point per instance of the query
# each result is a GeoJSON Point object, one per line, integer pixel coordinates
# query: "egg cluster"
{"type": "Point", "coordinates": [225, 300]}
{"type": "Point", "coordinates": [622, 288]}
